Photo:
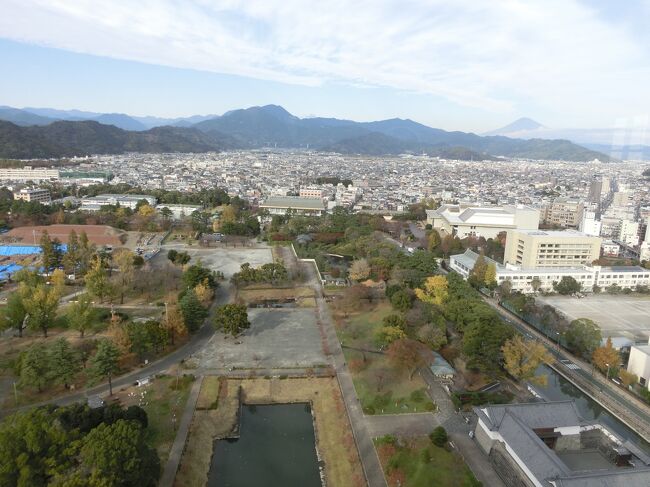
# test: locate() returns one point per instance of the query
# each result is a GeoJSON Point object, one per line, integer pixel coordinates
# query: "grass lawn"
{"type": "Point", "coordinates": [381, 388]}
{"type": "Point", "coordinates": [164, 403]}
{"type": "Point", "coordinates": [416, 462]}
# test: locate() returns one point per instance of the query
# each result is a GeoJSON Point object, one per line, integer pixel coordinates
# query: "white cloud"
{"type": "Point", "coordinates": [495, 55]}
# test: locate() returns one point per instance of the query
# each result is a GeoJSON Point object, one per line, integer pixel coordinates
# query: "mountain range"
{"type": "Point", "coordinates": [42, 133]}
{"type": "Point", "coordinates": [624, 142]}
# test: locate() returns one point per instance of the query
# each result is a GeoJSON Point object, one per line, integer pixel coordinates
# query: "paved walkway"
{"type": "Point", "coordinates": [367, 453]}
{"type": "Point", "coordinates": [176, 452]}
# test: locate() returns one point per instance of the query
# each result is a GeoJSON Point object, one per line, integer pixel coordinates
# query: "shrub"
{"type": "Point", "coordinates": [439, 436]}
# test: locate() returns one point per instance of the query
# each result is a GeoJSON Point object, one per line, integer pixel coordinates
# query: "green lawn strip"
{"type": "Point", "coordinates": [423, 464]}
{"type": "Point", "coordinates": [161, 406]}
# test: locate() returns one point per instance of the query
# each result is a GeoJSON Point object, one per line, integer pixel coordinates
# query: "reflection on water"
{"type": "Point", "coordinates": [560, 389]}
{"type": "Point", "coordinates": [276, 448]}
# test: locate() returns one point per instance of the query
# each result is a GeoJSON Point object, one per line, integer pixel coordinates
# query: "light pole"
{"type": "Point", "coordinates": [608, 366]}
{"type": "Point", "coordinates": [558, 340]}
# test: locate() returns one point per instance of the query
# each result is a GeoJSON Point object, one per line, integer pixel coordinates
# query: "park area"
{"type": "Point", "coordinates": [216, 417]}
{"type": "Point", "coordinates": [382, 388]}
{"type": "Point", "coordinates": [620, 315]}
{"type": "Point", "coordinates": [417, 462]}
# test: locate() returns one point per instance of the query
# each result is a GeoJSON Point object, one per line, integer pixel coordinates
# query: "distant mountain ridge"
{"type": "Point", "coordinates": [265, 126]}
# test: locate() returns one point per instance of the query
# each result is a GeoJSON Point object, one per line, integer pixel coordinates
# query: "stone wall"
{"type": "Point", "coordinates": [511, 474]}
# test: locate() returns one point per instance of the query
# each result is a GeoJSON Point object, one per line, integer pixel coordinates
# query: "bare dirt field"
{"type": "Point", "coordinates": [277, 338]}
{"type": "Point", "coordinates": [619, 315]}
{"type": "Point", "coordinates": [228, 259]}
{"type": "Point", "coordinates": [219, 400]}
{"type": "Point", "coordinates": [97, 234]}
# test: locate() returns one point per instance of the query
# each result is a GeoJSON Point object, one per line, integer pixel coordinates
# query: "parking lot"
{"type": "Point", "coordinates": [621, 315]}
{"type": "Point", "coordinates": [277, 338]}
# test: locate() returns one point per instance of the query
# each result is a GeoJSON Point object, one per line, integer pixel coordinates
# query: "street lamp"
{"type": "Point", "coordinates": [608, 366]}
{"type": "Point", "coordinates": [558, 340]}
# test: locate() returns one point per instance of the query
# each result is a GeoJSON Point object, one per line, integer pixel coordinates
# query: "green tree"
{"type": "Point", "coordinates": [118, 455]}
{"type": "Point", "coordinates": [477, 275]}
{"type": "Point", "coordinates": [583, 337]}
{"type": "Point", "coordinates": [13, 315]}
{"type": "Point", "coordinates": [439, 436]}
{"type": "Point", "coordinates": [51, 253]}
{"type": "Point", "coordinates": [86, 252]}
{"type": "Point", "coordinates": [567, 285]}
{"type": "Point", "coordinates": [72, 257]}
{"type": "Point", "coordinates": [40, 303]}
{"type": "Point", "coordinates": [482, 342]}
{"type": "Point", "coordinates": [105, 363]}
{"type": "Point", "coordinates": [80, 314]}
{"type": "Point", "coordinates": [386, 335]}
{"type": "Point", "coordinates": [401, 301]}
{"type": "Point", "coordinates": [35, 367]}
{"type": "Point", "coordinates": [196, 274]}
{"type": "Point", "coordinates": [192, 310]}
{"type": "Point", "coordinates": [63, 361]}
{"type": "Point", "coordinates": [97, 281]}
{"type": "Point", "coordinates": [536, 284]}
{"type": "Point", "coordinates": [433, 240]}
{"type": "Point", "coordinates": [232, 318]}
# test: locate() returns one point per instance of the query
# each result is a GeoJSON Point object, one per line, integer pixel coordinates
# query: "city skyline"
{"type": "Point", "coordinates": [467, 67]}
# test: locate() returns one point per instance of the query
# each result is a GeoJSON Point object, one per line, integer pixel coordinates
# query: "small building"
{"type": "Point", "coordinates": [610, 249]}
{"type": "Point", "coordinates": [179, 211]}
{"type": "Point", "coordinates": [35, 194]}
{"type": "Point", "coordinates": [292, 204]}
{"type": "Point", "coordinates": [639, 364]}
{"type": "Point", "coordinates": [94, 203]}
{"type": "Point", "coordinates": [440, 368]}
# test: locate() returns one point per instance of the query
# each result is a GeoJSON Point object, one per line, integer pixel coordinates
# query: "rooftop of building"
{"type": "Point", "coordinates": [521, 426]}
{"type": "Point", "coordinates": [293, 202]}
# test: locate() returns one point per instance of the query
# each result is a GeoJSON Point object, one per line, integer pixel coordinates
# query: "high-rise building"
{"type": "Point", "coordinates": [595, 191]}
{"type": "Point", "coordinates": [563, 212]}
{"type": "Point", "coordinates": [589, 225]}
{"type": "Point", "coordinates": [629, 232]}
{"type": "Point", "coordinates": [533, 249]}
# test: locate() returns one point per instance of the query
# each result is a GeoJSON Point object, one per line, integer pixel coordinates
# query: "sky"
{"type": "Point", "coordinates": [471, 65]}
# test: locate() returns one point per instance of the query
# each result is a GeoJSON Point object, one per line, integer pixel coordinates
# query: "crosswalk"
{"type": "Point", "coordinates": [570, 365]}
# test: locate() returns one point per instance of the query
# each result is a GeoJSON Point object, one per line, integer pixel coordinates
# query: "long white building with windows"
{"type": "Point", "coordinates": [541, 279]}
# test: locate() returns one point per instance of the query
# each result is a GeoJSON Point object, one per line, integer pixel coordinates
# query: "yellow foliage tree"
{"type": "Point", "coordinates": [204, 292]}
{"type": "Point", "coordinates": [491, 275]}
{"type": "Point", "coordinates": [627, 378]}
{"type": "Point", "coordinates": [606, 357]}
{"type": "Point", "coordinates": [435, 290]}
{"type": "Point", "coordinates": [58, 281]}
{"type": "Point", "coordinates": [174, 323]}
{"type": "Point", "coordinates": [523, 357]}
{"type": "Point", "coordinates": [228, 215]}
{"type": "Point", "coordinates": [147, 211]}
{"type": "Point", "coordinates": [118, 332]}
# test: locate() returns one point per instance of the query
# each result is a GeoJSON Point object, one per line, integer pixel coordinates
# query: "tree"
{"type": "Point", "coordinates": [439, 436]}
{"type": "Point", "coordinates": [166, 213]}
{"type": "Point", "coordinates": [86, 251]}
{"type": "Point", "coordinates": [394, 320]}
{"type": "Point", "coordinates": [192, 310]}
{"type": "Point", "coordinates": [117, 454]}
{"type": "Point", "coordinates": [228, 214]}
{"type": "Point", "coordinates": [583, 337]}
{"type": "Point", "coordinates": [57, 280]}
{"type": "Point", "coordinates": [124, 280]}
{"type": "Point", "coordinates": [567, 285]}
{"type": "Point", "coordinates": [606, 357]}
{"type": "Point", "coordinates": [35, 367]}
{"type": "Point", "coordinates": [97, 281]}
{"type": "Point", "coordinates": [536, 284]}
{"type": "Point", "coordinates": [627, 378]}
{"type": "Point", "coordinates": [51, 253]}
{"type": "Point", "coordinates": [196, 274]}
{"type": "Point", "coordinates": [433, 240]}
{"type": "Point", "coordinates": [401, 301]}
{"type": "Point", "coordinates": [174, 323]}
{"type": "Point", "coordinates": [482, 342]}
{"type": "Point", "coordinates": [40, 304]}
{"type": "Point", "coordinates": [432, 335]}
{"type": "Point", "coordinates": [388, 334]}
{"type": "Point", "coordinates": [63, 362]}
{"type": "Point", "coordinates": [406, 354]}
{"type": "Point", "coordinates": [232, 318]}
{"type": "Point", "coordinates": [490, 279]}
{"type": "Point", "coordinates": [505, 288]}
{"type": "Point", "coordinates": [522, 358]}
{"type": "Point", "coordinates": [80, 314]}
{"type": "Point", "coordinates": [477, 275]}
{"type": "Point", "coordinates": [14, 314]}
{"type": "Point", "coordinates": [204, 293]}
{"type": "Point", "coordinates": [105, 362]}
{"type": "Point", "coordinates": [72, 257]}
{"type": "Point", "coordinates": [435, 290]}
{"type": "Point", "coordinates": [359, 270]}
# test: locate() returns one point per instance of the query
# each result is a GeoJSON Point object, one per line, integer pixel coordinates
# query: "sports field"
{"type": "Point", "coordinates": [620, 315]}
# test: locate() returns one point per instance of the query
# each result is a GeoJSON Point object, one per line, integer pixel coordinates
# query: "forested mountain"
{"type": "Point", "coordinates": [271, 126]}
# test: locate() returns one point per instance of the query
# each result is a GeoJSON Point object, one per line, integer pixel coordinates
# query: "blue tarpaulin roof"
{"type": "Point", "coordinates": [6, 250]}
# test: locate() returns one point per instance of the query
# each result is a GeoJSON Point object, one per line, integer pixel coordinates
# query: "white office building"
{"type": "Point", "coordinates": [589, 224]}
{"type": "Point", "coordinates": [94, 203]}
{"type": "Point", "coordinates": [639, 363]}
